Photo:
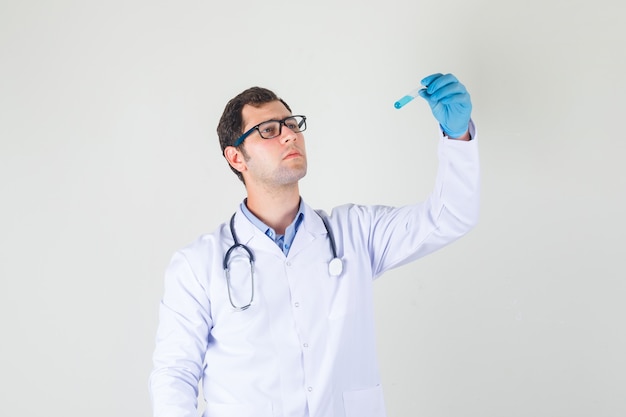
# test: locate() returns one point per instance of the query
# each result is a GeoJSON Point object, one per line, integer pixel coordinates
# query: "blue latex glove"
{"type": "Point", "coordinates": [449, 101]}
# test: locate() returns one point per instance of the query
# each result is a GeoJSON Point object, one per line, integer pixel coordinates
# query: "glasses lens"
{"type": "Point", "coordinates": [269, 130]}
{"type": "Point", "coordinates": [296, 123]}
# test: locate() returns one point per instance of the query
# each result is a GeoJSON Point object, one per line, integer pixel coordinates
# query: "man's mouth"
{"type": "Point", "coordinates": [292, 154]}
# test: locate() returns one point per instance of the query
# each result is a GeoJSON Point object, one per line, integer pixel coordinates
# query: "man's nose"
{"type": "Point", "coordinates": [287, 134]}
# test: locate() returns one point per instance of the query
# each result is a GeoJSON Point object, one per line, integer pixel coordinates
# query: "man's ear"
{"type": "Point", "coordinates": [235, 158]}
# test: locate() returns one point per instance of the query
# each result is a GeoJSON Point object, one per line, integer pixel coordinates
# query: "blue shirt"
{"type": "Point", "coordinates": [283, 241]}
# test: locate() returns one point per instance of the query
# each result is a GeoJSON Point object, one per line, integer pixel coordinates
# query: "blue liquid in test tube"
{"type": "Point", "coordinates": [406, 99]}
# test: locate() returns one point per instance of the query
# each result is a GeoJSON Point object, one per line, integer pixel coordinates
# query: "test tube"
{"type": "Point", "coordinates": [407, 98]}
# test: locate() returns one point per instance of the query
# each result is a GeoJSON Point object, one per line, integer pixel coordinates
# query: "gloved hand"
{"type": "Point", "coordinates": [449, 101]}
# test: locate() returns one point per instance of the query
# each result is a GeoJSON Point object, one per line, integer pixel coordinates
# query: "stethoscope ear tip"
{"type": "Point", "coordinates": [335, 267]}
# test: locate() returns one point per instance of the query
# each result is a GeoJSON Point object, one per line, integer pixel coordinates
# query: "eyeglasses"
{"type": "Point", "coordinates": [273, 128]}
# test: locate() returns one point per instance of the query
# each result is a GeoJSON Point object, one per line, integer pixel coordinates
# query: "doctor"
{"type": "Point", "coordinates": [273, 310]}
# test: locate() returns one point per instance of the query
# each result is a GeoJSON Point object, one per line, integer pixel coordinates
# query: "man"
{"type": "Point", "coordinates": [273, 311]}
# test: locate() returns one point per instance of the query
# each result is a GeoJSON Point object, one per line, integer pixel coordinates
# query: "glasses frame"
{"type": "Point", "coordinates": [241, 138]}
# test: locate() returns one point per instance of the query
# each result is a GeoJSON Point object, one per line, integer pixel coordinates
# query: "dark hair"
{"type": "Point", "coordinates": [230, 126]}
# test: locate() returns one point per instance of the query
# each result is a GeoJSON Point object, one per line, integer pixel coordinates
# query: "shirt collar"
{"type": "Point", "coordinates": [291, 230]}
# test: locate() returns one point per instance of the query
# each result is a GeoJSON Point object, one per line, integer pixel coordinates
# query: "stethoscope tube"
{"type": "Point", "coordinates": [227, 269]}
{"type": "Point", "coordinates": [335, 266]}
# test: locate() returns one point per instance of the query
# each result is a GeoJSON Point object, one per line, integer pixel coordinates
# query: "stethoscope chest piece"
{"type": "Point", "coordinates": [335, 267]}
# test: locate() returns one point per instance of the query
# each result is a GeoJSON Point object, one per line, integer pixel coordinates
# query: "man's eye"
{"type": "Point", "coordinates": [268, 130]}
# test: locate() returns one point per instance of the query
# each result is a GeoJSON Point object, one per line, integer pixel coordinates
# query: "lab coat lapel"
{"type": "Point", "coordinates": [311, 228]}
{"type": "Point", "coordinates": [251, 236]}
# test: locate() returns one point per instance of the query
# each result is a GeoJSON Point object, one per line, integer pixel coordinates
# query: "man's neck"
{"type": "Point", "coordinates": [277, 209]}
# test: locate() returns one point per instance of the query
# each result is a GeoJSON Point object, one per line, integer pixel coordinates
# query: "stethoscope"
{"type": "Point", "coordinates": [335, 266]}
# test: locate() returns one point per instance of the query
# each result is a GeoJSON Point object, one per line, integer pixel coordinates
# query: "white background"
{"type": "Point", "coordinates": [109, 162]}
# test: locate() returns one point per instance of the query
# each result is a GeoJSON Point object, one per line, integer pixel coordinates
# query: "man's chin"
{"type": "Point", "coordinates": [293, 176]}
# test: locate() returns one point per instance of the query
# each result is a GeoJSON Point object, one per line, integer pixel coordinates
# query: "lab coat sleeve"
{"type": "Point", "coordinates": [396, 236]}
{"type": "Point", "coordinates": [181, 341]}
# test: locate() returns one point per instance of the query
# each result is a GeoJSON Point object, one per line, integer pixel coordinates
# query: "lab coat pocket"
{"type": "Point", "coordinates": [237, 410]}
{"type": "Point", "coordinates": [364, 403]}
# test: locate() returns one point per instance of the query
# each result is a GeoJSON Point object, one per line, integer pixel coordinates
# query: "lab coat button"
{"type": "Point", "coordinates": [310, 389]}
{"type": "Point", "coordinates": [306, 345]}
{"type": "Point", "coordinates": [296, 304]}
{"type": "Point", "coordinates": [288, 263]}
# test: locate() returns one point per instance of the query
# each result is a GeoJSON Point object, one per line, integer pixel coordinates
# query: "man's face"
{"type": "Point", "coordinates": [272, 162]}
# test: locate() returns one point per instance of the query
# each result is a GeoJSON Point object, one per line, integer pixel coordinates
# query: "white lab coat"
{"type": "Point", "coordinates": [306, 347]}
